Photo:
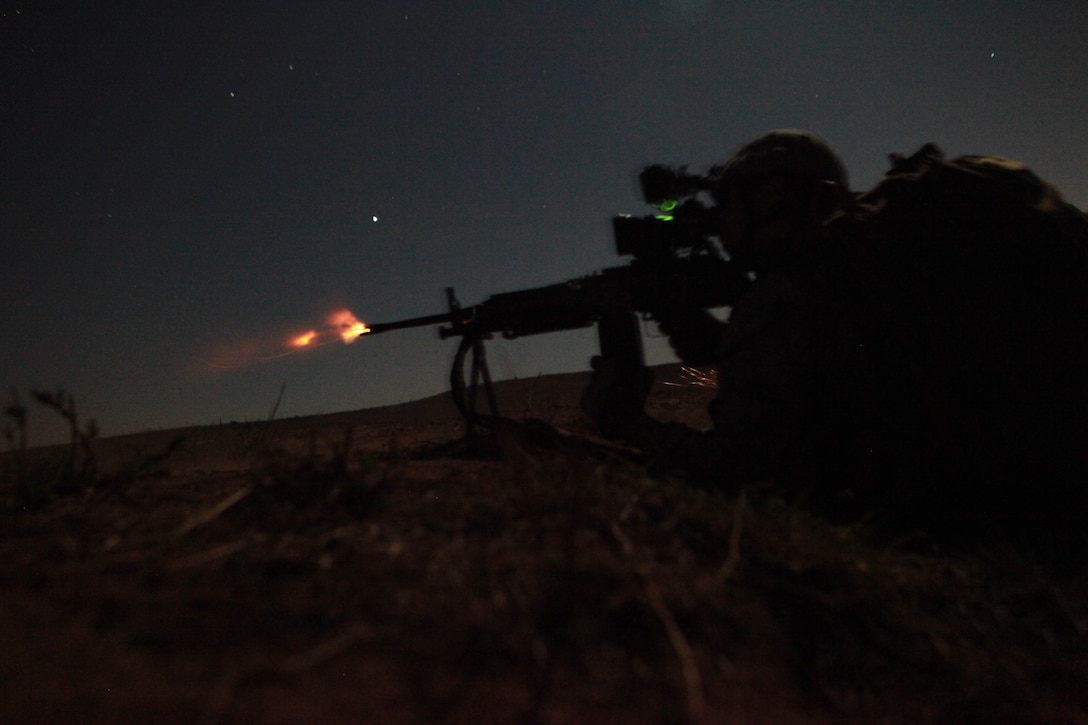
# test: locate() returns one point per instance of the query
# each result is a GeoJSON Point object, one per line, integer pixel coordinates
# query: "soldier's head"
{"type": "Point", "coordinates": [776, 186]}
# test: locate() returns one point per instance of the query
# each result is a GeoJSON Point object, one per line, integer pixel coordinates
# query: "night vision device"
{"type": "Point", "coordinates": [686, 218]}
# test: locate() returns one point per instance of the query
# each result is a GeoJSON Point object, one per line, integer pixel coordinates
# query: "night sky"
{"type": "Point", "coordinates": [185, 186]}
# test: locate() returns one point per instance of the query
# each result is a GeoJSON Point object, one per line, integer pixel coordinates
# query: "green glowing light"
{"type": "Point", "coordinates": [664, 217]}
{"type": "Point", "coordinates": [667, 205]}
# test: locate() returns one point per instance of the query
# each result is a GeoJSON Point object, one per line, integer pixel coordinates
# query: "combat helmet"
{"type": "Point", "coordinates": [801, 158]}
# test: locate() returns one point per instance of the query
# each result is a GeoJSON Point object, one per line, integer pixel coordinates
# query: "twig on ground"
{"type": "Point", "coordinates": [263, 434]}
{"type": "Point", "coordinates": [624, 541]}
{"type": "Point", "coordinates": [210, 555]}
{"type": "Point", "coordinates": [689, 668]}
{"type": "Point", "coordinates": [210, 514]}
{"type": "Point", "coordinates": [327, 650]}
{"type": "Point", "coordinates": [732, 560]}
{"type": "Point", "coordinates": [232, 679]}
{"type": "Point", "coordinates": [64, 403]}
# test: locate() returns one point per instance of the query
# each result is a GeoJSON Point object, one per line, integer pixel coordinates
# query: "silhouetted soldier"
{"type": "Point", "coordinates": [827, 381]}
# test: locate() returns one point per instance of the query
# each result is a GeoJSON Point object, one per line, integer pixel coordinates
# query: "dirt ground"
{"type": "Point", "coordinates": [369, 568]}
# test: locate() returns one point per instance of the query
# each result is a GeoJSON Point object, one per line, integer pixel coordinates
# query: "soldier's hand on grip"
{"type": "Point", "coordinates": [693, 333]}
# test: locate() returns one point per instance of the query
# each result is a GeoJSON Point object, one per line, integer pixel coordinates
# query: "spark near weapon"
{"type": "Point", "coordinates": [676, 264]}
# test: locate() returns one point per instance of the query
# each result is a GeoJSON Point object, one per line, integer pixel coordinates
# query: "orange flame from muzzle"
{"type": "Point", "coordinates": [342, 324]}
{"type": "Point", "coordinates": [347, 325]}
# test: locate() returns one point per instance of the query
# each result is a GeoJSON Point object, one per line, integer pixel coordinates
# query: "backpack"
{"type": "Point", "coordinates": [973, 279]}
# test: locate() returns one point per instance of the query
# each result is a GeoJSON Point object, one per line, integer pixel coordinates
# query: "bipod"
{"type": "Point", "coordinates": [466, 393]}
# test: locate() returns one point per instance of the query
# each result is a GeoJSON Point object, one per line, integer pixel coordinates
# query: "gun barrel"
{"type": "Point", "coordinates": [412, 322]}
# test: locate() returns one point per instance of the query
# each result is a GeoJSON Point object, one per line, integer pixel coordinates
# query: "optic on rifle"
{"type": "Point", "coordinates": [686, 220]}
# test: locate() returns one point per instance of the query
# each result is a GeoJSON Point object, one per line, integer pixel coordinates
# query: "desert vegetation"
{"type": "Point", "coordinates": [375, 567]}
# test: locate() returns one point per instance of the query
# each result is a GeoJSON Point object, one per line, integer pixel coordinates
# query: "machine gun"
{"type": "Point", "coordinates": [675, 264]}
